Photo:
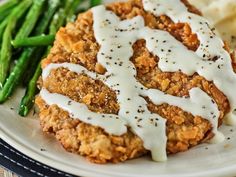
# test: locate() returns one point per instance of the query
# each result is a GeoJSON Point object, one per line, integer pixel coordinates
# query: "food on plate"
{"type": "Point", "coordinates": [137, 77]}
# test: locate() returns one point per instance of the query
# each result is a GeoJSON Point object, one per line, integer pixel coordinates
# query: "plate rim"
{"type": "Point", "coordinates": [224, 171]}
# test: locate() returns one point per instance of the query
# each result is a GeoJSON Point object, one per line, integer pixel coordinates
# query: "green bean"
{"type": "Point", "coordinates": [27, 101]}
{"type": "Point", "coordinates": [6, 13]}
{"type": "Point", "coordinates": [6, 8]}
{"type": "Point", "coordinates": [2, 28]}
{"type": "Point", "coordinates": [37, 56]}
{"type": "Point", "coordinates": [71, 13]}
{"type": "Point", "coordinates": [43, 40]}
{"type": "Point", "coordinates": [63, 14]}
{"type": "Point", "coordinates": [52, 7]}
{"type": "Point", "coordinates": [57, 21]}
{"type": "Point", "coordinates": [52, 31]}
{"type": "Point", "coordinates": [95, 3]}
{"type": "Point", "coordinates": [48, 17]}
{"type": "Point", "coordinates": [31, 19]}
{"type": "Point", "coordinates": [8, 5]}
{"type": "Point", "coordinates": [6, 50]}
{"type": "Point", "coordinates": [19, 69]}
{"type": "Point", "coordinates": [15, 75]}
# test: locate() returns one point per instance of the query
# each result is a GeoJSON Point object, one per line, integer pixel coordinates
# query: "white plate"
{"type": "Point", "coordinates": [218, 160]}
{"type": "Point", "coordinates": [204, 160]}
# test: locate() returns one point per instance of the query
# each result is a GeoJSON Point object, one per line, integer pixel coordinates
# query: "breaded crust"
{"type": "Point", "coordinates": [76, 44]}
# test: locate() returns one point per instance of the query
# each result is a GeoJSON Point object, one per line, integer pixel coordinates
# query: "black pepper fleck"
{"type": "Point", "coordinates": [139, 120]}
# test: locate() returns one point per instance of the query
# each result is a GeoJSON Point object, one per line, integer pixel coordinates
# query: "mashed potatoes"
{"type": "Point", "coordinates": [222, 14]}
